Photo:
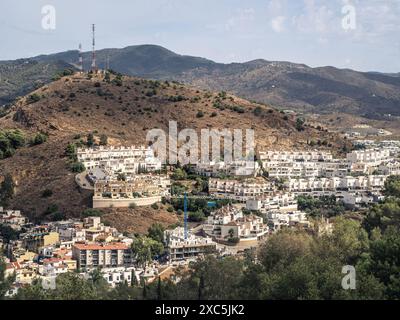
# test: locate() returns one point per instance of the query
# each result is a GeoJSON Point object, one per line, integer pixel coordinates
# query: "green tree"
{"type": "Point", "coordinates": [90, 140]}
{"type": "Point", "coordinates": [103, 140]}
{"type": "Point", "coordinates": [6, 190]}
{"type": "Point", "coordinates": [5, 282]}
{"type": "Point", "coordinates": [145, 249]}
{"type": "Point", "coordinates": [300, 124]}
{"type": "Point", "coordinates": [71, 286]}
{"type": "Point", "coordinates": [392, 187]}
{"type": "Point", "coordinates": [156, 232]}
{"type": "Point", "coordinates": [77, 167]}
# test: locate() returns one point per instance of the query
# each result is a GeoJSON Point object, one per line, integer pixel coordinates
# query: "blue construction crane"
{"type": "Point", "coordinates": [185, 215]}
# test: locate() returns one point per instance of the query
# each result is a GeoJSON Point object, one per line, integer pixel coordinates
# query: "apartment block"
{"type": "Point", "coordinates": [129, 160]}
{"type": "Point", "coordinates": [240, 190]}
{"type": "Point", "coordinates": [98, 255]}
{"type": "Point", "coordinates": [181, 248]}
{"type": "Point", "coordinates": [234, 168]}
{"type": "Point", "coordinates": [142, 190]}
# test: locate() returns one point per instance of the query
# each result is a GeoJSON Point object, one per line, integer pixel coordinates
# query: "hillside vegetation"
{"type": "Point", "coordinates": [123, 109]}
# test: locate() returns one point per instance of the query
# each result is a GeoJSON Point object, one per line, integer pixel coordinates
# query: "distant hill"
{"type": "Point", "coordinates": [282, 84]}
{"type": "Point", "coordinates": [19, 77]}
{"type": "Point", "coordinates": [73, 106]}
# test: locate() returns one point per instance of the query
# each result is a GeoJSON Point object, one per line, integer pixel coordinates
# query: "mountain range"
{"type": "Point", "coordinates": [284, 85]}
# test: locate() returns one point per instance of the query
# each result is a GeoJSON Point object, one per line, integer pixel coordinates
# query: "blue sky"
{"type": "Point", "coordinates": [304, 31]}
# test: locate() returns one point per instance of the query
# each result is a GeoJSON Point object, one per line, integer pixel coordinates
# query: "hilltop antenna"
{"type": "Point", "coordinates": [80, 58]}
{"type": "Point", "coordinates": [94, 68]}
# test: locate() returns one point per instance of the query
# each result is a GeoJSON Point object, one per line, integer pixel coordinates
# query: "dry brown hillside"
{"type": "Point", "coordinates": [79, 105]}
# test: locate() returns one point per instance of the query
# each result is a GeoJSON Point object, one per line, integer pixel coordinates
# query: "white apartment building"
{"type": "Point", "coordinates": [193, 246]}
{"type": "Point", "coordinates": [12, 218]}
{"type": "Point", "coordinates": [390, 168]}
{"type": "Point", "coordinates": [247, 228]}
{"type": "Point", "coordinates": [283, 169]}
{"type": "Point", "coordinates": [234, 168]}
{"type": "Point", "coordinates": [240, 190]}
{"type": "Point", "coordinates": [115, 276]}
{"type": "Point", "coordinates": [373, 157]}
{"type": "Point", "coordinates": [129, 160]}
{"type": "Point", "coordinates": [100, 255]}
{"type": "Point", "coordinates": [223, 216]}
{"type": "Point", "coordinates": [322, 185]}
{"type": "Point", "coordinates": [284, 156]}
{"type": "Point", "coordinates": [281, 202]}
{"type": "Point", "coordinates": [278, 219]}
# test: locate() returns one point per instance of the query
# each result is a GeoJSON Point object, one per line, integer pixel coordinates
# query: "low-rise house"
{"type": "Point", "coordinates": [53, 266]}
{"type": "Point", "coordinates": [277, 219]}
{"type": "Point", "coordinates": [278, 201]}
{"type": "Point", "coordinates": [12, 218]}
{"type": "Point", "coordinates": [39, 237]}
{"type": "Point", "coordinates": [248, 228]}
{"type": "Point", "coordinates": [115, 276]}
{"type": "Point", "coordinates": [361, 199]}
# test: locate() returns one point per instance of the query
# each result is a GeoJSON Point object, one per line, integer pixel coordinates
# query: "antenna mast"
{"type": "Point", "coordinates": [80, 58]}
{"type": "Point", "coordinates": [94, 68]}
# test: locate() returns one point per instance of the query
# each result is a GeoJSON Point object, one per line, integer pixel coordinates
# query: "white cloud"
{"type": "Point", "coordinates": [278, 24]}
{"type": "Point", "coordinates": [240, 19]}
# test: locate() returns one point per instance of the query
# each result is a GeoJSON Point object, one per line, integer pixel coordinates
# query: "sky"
{"type": "Point", "coordinates": [358, 34]}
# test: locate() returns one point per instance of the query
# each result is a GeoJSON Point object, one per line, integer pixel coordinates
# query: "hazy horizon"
{"type": "Point", "coordinates": [307, 32]}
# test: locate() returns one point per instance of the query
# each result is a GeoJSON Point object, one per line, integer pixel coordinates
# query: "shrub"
{"type": "Point", "coordinates": [257, 111]}
{"type": "Point", "coordinates": [33, 98]}
{"type": "Point", "coordinates": [103, 140]}
{"type": "Point", "coordinates": [200, 114]}
{"type": "Point", "coordinates": [39, 139]}
{"type": "Point", "coordinates": [154, 206]}
{"type": "Point", "coordinates": [197, 216]}
{"type": "Point", "coordinates": [47, 193]}
{"type": "Point", "coordinates": [77, 167]}
{"type": "Point", "coordinates": [234, 240]}
{"type": "Point", "coordinates": [92, 213]}
{"type": "Point", "coordinates": [300, 124]}
{"type": "Point", "coordinates": [90, 140]}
